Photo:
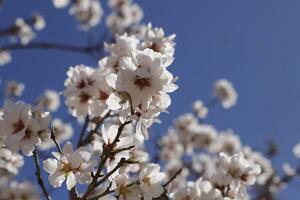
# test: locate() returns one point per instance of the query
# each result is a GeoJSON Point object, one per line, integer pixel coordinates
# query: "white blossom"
{"type": "Point", "coordinates": [86, 91]}
{"type": "Point", "coordinates": [124, 190]}
{"type": "Point", "coordinates": [288, 169]}
{"type": "Point", "coordinates": [24, 31]}
{"type": "Point", "coordinates": [296, 150]}
{"type": "Point", "coordinates": [237, 167]}
{"type": "Point", "coordinates": [14, 88]}
{"type": "Point", "coordinates": [10, 161]}
{"type": "Point", "coordinates": [60, 3]}
{"type": "Point", "coordinates": [191, 191]}
{"type": "Point", "coordinates": [87, 12]}
{"type": "Point", "coordinates": [150, 179]}
{"type": "Point", "coordinates": [226, 93]}
{"type": "Point", "coordinates": [20, 191]}
{"type": "Point", "coordinates": [5, 57]}
{"type": "Point", "coordinates": [142, 77]}
{"type": "Point", "coordinates": [50, 100]}
{"type": "Point", "coordinates": [72, 166]}
{"type": "Point", "coordinates": [39, 22]}
{"type": "Point", "coordinates": [125, 14]}
{"type": "Point", "coordinates": [227, 142]}
{"type": "Point", "coordinates": [257, 158]}
{"type": "Point", "coordinates": [156, 40]}
{"type": "Point", "coordinates": [20, 126]}
{"type": "Point", "coordinates": [200, 109]}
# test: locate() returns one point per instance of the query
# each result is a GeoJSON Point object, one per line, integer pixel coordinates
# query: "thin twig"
{"type": "Point", "coordinates": [212, 102]}
{"type": "Point", "coordinates": [54, 140]}
{"type": "Point", "coordinates": [83, 130]}
{"type": "Point", "coordinates": [106, 192]}
{"type": "Point", "coordinates": [120, 164]}
{"type": "Point", "coordinates": [55, 46]}
{"type": "Point", "coordinates": [39, 176]}
{"type": "Point", "coordinates": [172, 178]}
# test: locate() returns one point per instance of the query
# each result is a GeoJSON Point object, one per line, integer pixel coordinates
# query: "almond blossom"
{"type": "Point", "coordinates": [20, 126]}
{"type": "Point", "coordinates": [50, 100]}
{"type": "Point", "coordinates": [5, 57]}
{"type": "Point", "coordinates": [19, 191]}
{"type": "Point", "coordinates": [14, 88]}
{"type": "Point", "coordinates": [226, 93]}
{"type": "Point", "coordinates": [125, 190]}
{"type": "Point", "coordinates": [72, 166]}
{"type": "Point", "coordinates": [150, 181]}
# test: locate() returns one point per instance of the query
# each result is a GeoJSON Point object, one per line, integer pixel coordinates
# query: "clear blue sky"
{"type": "Point", "coordinates": [255, 44]}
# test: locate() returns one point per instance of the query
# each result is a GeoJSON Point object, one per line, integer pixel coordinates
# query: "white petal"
{"type": "Point", "coordinates": [50, 165]}
{"type": "Point", "coordinates": [68, 148]}
{"type": "Point", "coordinates": [111, 80]}
{"type": "Point", "coordinates": [56, 179]}
{"type": "Point", "coordinates": [71, 181]}
{"type": "Point", "coordinates": [113, 102]}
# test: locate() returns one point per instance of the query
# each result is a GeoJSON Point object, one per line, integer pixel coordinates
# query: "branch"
{"type": "Point", "coordinates": [109, 191]}
{"type": "Point", "coordinates": [83, 130]}
{"type": "Point", "coordinates": [172, 178]}
{"type": "Point", "coordinates": [55, 46]}
{"type": "Point", "coordinates": [54, 140]}
{"type": "Point", "coordinates": [88, 138]}
{"type": "Point", "coordinates": [39, 176]}
{"type": "Point", "coordinates": [120, 164]}
{"type": "Point", "coordinates": [212, 102]}
{"type": "Point", "coordinates": [107, 151]}
{"type": "Point", "coordinates": [106, 192]}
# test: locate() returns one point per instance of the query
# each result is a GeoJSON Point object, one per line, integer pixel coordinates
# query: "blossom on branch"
{"type": "Point", "coordinates": [72, 166]}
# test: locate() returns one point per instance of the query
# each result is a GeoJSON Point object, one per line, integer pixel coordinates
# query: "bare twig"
{"type": "Point", "coordinates": [88, 138]}
{"type": "Point", "coordinates": [172, 178]}
{"type": "Point", "coordinates": [55, 46]}
{"type": "Point", "coordinates": [83, 130]}
{"type": "Point", "coordinates": [120, 164]}
{"type": "Point", "coordinates": [39, 176]}
{"type": "Point", "coordinates": [106, 192]}
{"type": "Point", "coordinates": [54, 140]}
{"type": "Point", "coordinates": [212, 102]}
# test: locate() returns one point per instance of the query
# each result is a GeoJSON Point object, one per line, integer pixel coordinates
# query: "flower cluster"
{"type": "Point", "coordinates": [24, 28]}
{"type": "Point", "coordinates": [125, 15]}
{"type": "Point", "coordinates": [21, 126]}
{"type": "Point", "coordinates": [19, 190]}
{"type": "Point", "coordinates": [87, 12]}
{"type": "Point", "coordinates": [116, 103]}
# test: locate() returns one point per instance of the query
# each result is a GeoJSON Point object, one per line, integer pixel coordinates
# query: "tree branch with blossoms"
{"type": "Point", "coordinates": [116, 103]}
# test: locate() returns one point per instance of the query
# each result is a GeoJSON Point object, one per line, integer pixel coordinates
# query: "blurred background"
{"type": "Point", "coordinates": [254, 44]}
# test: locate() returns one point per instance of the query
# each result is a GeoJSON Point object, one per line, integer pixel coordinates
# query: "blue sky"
{"type": "Point", "coordinates": [255, 44]}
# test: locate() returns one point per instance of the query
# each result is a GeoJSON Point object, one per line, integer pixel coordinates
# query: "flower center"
{"type": "Point", "coordinates": [147, 180]}
{"type": "Point", "coordinates": [84, 97]}
{"type": "Point", "coordinates": [103, 95]}
{"type": "Point", "coordinates": [18, 126]}
{"type": "Point", "coordinates": [155, 47]}
{"type": "Point", "coordinates": [142, 82]}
